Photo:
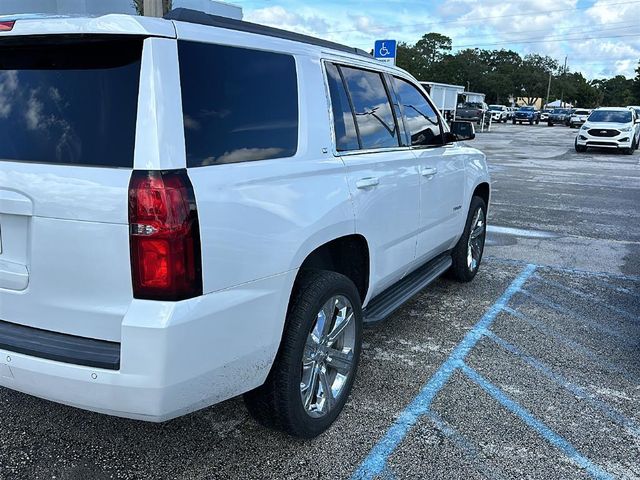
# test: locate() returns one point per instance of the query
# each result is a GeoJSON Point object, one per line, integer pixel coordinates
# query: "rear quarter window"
{"type": "Point", "coordinates": [238, 104]}
{"type": "Point", "coordinates": [70, 100]}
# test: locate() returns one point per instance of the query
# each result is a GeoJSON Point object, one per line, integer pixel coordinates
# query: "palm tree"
{"type": "Point", "coordinates": [139, 6]}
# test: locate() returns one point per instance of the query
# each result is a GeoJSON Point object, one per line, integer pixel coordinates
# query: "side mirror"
{"type": "Point", "coordinates": [638, 120]}
{"type": "Point", "coordinates": [460, 131]}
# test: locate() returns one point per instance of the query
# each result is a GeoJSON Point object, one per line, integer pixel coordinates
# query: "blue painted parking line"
{"type": "Point", "coordinates": [375, 462]}
{"type": "Point", "coordinates": [557, 268]}
{"type": "Point", "coordinates": [629, 424]}
{"type": "Point", "coordinates": [581, 294]}
{"type": "Point", "coordinates": [544, 431]}
{"type": "Point", "coordinates": [618, 334]}
{"type": "Point", "coordinates": [616, 288]}
{"type": "Point", "coordinates": [463, 444]}
{"type": "Point", "coordinates": [573, 345]}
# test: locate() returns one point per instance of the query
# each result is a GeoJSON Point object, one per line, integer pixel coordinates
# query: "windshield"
{"type": "Point", "coordinates": [614, 116]}
{"type": "Point", "coordinates": [527, 109]}
{"type": "Point", "coordinates": [70, 102]}
{"type": "Point", "coordinates": [495, 107]}
{"type": "Point", "coordinates": [560, 111]}
{"type": "Point", "coordinates": [581, 112]}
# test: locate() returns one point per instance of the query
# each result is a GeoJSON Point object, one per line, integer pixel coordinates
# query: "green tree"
{"type": "Point", "coordinates": [432, 47]}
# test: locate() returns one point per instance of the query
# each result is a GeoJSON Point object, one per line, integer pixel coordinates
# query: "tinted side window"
{"type": "Point", "coordinates": [420, 118]}
{"type": "Point", "coordinates": [343, 122]}
{"type": "Point", "coordinates": [376, 123]}
{"type": "Point", "coordinates": [238, 104]}
{"type": "Point", "coordinates": [72, 101]}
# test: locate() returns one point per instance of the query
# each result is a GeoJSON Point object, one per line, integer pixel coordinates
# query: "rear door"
{"type": "Point", "coordinates": [68, 111]}
{"type": "Point", "coordinates": [382, 174]}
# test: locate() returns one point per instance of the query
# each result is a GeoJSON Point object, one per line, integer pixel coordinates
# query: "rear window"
{"type": "Point", "coordinates": [238, 104]}
{"type": "Point", "coordinates": [70, 101]}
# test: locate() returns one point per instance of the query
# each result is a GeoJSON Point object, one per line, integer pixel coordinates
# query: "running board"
{"type": "Point", "coordinates": [399, 293]}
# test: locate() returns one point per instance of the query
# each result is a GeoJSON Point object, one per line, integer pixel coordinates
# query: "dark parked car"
{"type": "Point", "coordinates": [527, 114]}
{"type": "Point", "coordinates": [473, 112]}
{"type": "Point", "coordinates": [557, 116]}
{"type": "Point", "coordinates": [567, 117]}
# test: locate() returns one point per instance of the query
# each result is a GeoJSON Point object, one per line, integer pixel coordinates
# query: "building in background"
{"type": "Point", "coordinates": [103, 7]}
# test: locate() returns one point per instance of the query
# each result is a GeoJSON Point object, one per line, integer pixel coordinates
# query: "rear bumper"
{"type": "Point", "coordinates": [176, 357]}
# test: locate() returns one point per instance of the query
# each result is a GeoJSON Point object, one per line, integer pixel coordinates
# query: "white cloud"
{"type": "Point", "coordinates": [601, 40]}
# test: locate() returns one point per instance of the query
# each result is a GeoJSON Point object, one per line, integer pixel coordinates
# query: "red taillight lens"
{"type": "Point", "coordinates": [7, 26]}
{"type": "Point", "coordinates": [164, 236]}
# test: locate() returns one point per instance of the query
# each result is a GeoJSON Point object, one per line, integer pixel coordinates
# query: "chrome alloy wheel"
{"type": "Point", "coordinates": [476, 240]}
{"type": "Point", "coordinates": [327, 361]}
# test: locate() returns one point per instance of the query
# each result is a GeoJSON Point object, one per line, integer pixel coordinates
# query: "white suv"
{"type": "Point", "coordinates": [610, 127]}
{"type": "Point", "coordinates": [499, 113]}
{"type": "Point", "coordinates": [578, 117]}
{"type": "Point", "coordinates": [195, 208]}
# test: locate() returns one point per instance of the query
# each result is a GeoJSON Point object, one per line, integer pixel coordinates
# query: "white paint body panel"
{"type": "Point", "coordinates": [67, 228]}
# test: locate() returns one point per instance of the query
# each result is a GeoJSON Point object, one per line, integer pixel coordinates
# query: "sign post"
{"type": "Point", "coordinates": [385, 51]}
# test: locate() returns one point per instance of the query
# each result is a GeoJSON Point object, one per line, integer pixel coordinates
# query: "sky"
{"type": "Point", "coordinates": [600, 38]}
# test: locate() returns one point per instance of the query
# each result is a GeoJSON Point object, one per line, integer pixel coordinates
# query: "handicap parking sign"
{"type": "Point", "coordinates": [385, 51]}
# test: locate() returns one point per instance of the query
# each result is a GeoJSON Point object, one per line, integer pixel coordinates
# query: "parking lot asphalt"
{"type": "Point", "coordinates": [530, 371]}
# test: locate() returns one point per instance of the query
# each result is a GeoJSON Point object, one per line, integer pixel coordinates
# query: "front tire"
{"type": "Point", "coordinates": [316, 365]}
{"type": "Point", "coordinates": [467, 254]}
{"type": "Point", "coordinates": [579, 148]}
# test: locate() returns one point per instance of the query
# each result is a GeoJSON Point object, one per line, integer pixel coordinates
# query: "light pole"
{"type": "Point", "coordinates": [548, 90]}
{"type": "Point", "coordinates": [564, 70]}
{"type": "Point", "coordinates": [153, 8]}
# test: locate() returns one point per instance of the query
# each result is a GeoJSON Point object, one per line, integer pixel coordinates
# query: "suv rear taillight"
{"type": "Point", "coordinates": [164, 236]}
{"type": "Point", "coordinates": [7, 26]}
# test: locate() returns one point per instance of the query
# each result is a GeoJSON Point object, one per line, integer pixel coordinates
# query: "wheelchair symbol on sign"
{"type": "Point", "coordinates": [384, 51]}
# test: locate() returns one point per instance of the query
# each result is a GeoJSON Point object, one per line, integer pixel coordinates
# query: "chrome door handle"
{"type": "Point", "coordinates": [428, 172]}
{"type": "Point", "coordinates": [367, 182]}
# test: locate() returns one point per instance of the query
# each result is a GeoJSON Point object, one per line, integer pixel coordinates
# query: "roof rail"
{"type": "Point", "coordinates": [193, 16]}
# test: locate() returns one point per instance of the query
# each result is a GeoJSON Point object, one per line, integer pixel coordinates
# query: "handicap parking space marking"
{"type": "Point", "coordinates": [629, 424]}
{"type": "Point", "coordinates": [375, 464]}
{"type": "Point", "coordinates": [619, 334]}
{"type": "Point", "coordinates": [462, 443]}
{"type": "Point", "coordinates": [573, 345]}
{"type": "Point", "coordinates": [376, 461]}
{"type": "Point", "coordinates": [594, 470]}
{"type": "Point", "coordinates": [589, 297]}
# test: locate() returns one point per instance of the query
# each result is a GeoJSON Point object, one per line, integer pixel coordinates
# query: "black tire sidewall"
{"type": "Point", "coordinates": [459, 269]}
{"type": "Point", "coordinates": [303, 313]}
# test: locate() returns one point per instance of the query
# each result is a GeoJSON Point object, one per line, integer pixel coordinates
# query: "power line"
{"type": "Point", "coordinates": [478, 19]}
{"type": "Point", "coordinates": [547, 40]}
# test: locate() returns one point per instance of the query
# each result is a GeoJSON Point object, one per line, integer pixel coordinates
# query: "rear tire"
{"type": "Point", "coordinates": [306, 346]}
{"type": "Point", "coordinates": [514, 122]}
{"type": "Point", "coordinates": [467, 254]}
{"type": "Point", "coordinates": [549, 124]}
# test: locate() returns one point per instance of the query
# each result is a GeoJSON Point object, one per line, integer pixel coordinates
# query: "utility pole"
{"type": "Point", "coordinates": [548, 90]}
{"type": "Point", "coordinates": [564, 70]}
{"type": "Point", "coordinates": [153, 8]}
